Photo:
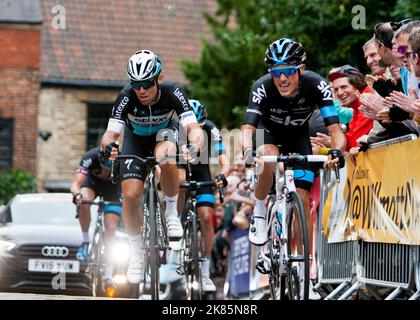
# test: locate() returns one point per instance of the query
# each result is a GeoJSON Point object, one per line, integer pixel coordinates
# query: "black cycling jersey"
{"type": "Point", "coordinates": [267, 105]}
{"type": "Point", "coordinates": [148, 120]}
{"type": "Point", "coordinates": [101, 185]}
{"type": "Point", "coordinates": [90, 165]}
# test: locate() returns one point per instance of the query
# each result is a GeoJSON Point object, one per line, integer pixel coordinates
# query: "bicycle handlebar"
{"type": "Point", "coordinates": [299, 158]}
{"type": "Point", "coordinates": [100, 202]}
{"type": "Point", "coordinates": [194, 185]}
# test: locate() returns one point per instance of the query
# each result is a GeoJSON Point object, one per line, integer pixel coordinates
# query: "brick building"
{"type": "Point", "coordinates": [20, 39]}
{"type": "Point", "coordinates": [85, 48]}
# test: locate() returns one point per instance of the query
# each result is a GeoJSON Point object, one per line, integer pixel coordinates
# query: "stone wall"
{"type": "Point", "coordinates": [63, 112]}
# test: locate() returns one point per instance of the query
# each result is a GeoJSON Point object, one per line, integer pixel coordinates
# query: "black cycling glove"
{"type": "Point", "coordinates": [221, 177]}
{"type": "Point", "coordinates": [108, 149]}
{"type": "Point", "coordinates": [335, 153]}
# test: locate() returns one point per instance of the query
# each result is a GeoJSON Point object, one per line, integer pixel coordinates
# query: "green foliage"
{"type": "Point", "coordinates": [15, 181]}
{"type": "Point", "coordinates": [242, 30]}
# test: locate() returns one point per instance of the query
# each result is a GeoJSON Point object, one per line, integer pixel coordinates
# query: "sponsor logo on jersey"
{"type": "Point", "coordinates": [288, 121]}
{"type": "Point", "coordinates": [216, 134]}
{"type": "Point", "coordinates": [259, 94]}
{"type": "Point", "coordinates": [325, 89]}
{"type": "Point", "coordinates": [120, 107]}
{"type": "Point", "coordinates": [87, 163]}
{"type": "Point", "coordinates": [148, 120]}
{"type": "Point", "coordinates": [182, 99]}
{"type": "Point", "coordinates": [254, 111]}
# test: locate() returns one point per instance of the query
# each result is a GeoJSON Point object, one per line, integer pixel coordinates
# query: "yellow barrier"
{"type": "Point", "coordinates": [378, 198]}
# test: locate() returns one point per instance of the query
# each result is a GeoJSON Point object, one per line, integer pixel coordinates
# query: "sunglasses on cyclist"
{"type": "Point", "coordinates": [288, 71]}
{"type": "Point", "coordinates": [146, 84]}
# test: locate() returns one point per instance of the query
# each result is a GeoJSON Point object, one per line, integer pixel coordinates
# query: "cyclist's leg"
{"type": "Point", "coordinates": [112, 214]}
{"type": "Point", "coordinates": [84, 219]}
{"type": "Point", "coordinates": [257, 230]}
{"type": "Point", "coordinates": [133, 175]}
{"type": "Point", "coordinates": [182, 176]}
{"type": "Point", "coordinates": [169, 182]}
{"type": "Point", "coordinates": [205, 210]}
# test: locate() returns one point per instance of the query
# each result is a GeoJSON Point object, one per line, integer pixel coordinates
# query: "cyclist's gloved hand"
{"type": "Point", "coordinates": [77, 198]}
{"type": "Point", "coordinates": [335, 153]}
{"type": "Point", "coordinates": [110, 148]}
{"type": "Point", "coordinates": [248, 157]}
{"type": "Point", "coordinates": [191, 153]}
{"type": "Point", "coordinates": [221, 177]}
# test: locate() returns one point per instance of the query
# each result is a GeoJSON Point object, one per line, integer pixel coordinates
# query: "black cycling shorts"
{"type": "Point", "coordinates": [292, 140]}
{"type": "Point", "coordinates": [106, 189]}
{"type": "Point", "coordinates": [205, 196]}
{"type": "Point", "coordinates": [143, 146]}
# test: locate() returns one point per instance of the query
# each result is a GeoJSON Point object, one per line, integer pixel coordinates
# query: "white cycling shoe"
{"type": "Point", "coordinates": [207, 284]}
{"type": "Point", "coordinates": [174, 227]}
{"type": "Point", "coordinates": [135, 268]}
{"type": "Point", "coordinates": [313, 295]}
{"type": "Point", "coordinates": [258, 231]}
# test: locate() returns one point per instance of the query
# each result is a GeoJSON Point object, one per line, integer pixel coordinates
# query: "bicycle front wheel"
{"type": "Point", "coordinates": [276, 279]}
{"type": "Point", "coordinates": [192, 259]}
{"type": "Point", "coordinates": [96, 262]}
{"type": "Point", "coordinates": [297, 267]}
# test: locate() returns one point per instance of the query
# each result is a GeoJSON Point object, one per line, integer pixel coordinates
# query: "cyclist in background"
{"type": "Point", "coordinates": [280, 104]}
{"type": "Point", "coordinates": [149, 108]}
{"type": "Point", "coordinates": [205, 196]}
{"type": "Point", "coordinates": [92, 180]}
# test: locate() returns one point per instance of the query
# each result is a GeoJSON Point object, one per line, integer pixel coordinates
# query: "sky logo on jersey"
{"type": "Point", "coordinates": [258, 95]}
{"type": "Point", "coordinates": [87, 163]}
{"type": "Point", "coordinates": [288, 121]}
{"type": "Point", "coordinates": [182, 99]}
{"type": "Point", "coordinates": [216, 134]}
{"type": "Point", "coordinates": [325, 90]}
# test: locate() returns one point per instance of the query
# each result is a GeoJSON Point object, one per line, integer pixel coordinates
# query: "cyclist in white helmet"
{"type": "Point", "coordinates": [149, 108]}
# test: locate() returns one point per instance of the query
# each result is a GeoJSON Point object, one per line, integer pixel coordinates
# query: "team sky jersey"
{"type": "Point", "coordinates": [148, 120]}
{"type": "Point", "coordinates": [267, 105]}
{"type": "Point", "coordinates": [90, 165]}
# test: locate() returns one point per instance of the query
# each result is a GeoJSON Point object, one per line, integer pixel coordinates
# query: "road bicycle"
{"type": "Point", "coordinates": [192, 243]}
{"type": "Point", "coordinates": [154, 232]}
{"type": "Point", "coordinates": [96, 253]}
{"type": "Point", "coordinates": [284, 250]}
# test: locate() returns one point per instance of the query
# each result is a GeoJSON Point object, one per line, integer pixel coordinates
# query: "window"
{"type": "Point", "coordinates": [6, 143]}
{"type": "Point", "coordinates": [97, 122]}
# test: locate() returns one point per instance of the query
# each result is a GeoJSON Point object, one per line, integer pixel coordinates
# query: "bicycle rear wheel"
{"type": "Point", "coordinates": [96, 262]}
{"type": "Point", "coordinates": [296, 220]}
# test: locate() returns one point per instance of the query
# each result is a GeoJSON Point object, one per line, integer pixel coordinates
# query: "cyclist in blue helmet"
{"type": "Point", "coordinates": [280, 105]}
{"type": "Point", "coordinates": [205, 196]}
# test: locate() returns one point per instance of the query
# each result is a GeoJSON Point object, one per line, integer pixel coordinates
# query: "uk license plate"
{"type": "Point", "coordinates": [54, 266]}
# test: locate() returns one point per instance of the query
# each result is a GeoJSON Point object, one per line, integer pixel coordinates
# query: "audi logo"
{"type": "Point", "coordinates": [49, 251]}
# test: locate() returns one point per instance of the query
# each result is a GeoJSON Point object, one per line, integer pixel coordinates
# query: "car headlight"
{"type": "Point", "coordinates": [6, 245]}
{"type": "Point", "coordinates": [120, 252]}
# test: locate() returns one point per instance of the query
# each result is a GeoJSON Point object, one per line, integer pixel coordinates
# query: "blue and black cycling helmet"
{"type": "Point", "coordinates": [199, 110]}
{"type": "Point", "coordinates": [284, 51]}
{"type": "Point", "coordinates": [143, 65]}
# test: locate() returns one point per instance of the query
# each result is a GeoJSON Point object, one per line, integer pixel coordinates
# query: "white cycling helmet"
{"type": "Point", "coordinates": [143, 65]}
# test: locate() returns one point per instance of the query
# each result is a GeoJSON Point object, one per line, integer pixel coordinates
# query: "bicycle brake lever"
{"type": "Point", "coordinates": [221, 196]}
{"type": "Point", "coordinates": [337, 173]}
